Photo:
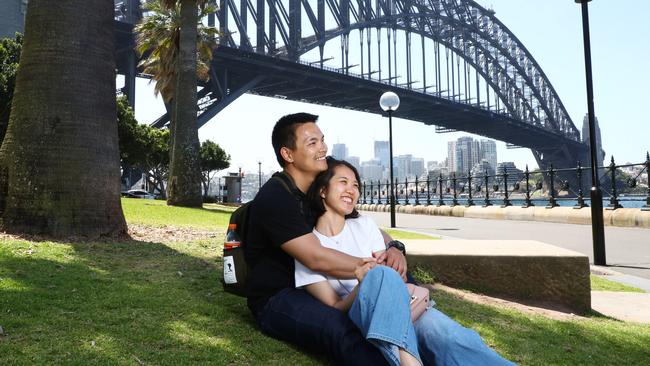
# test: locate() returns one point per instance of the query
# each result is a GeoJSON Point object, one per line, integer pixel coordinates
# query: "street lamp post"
{"type": "Point", "coordinates": [259, 175]}
{"type": "Point", "coordinates": [389, 102]}
{"type": "Point", "coordinates": [240, 184]}
{"type": "Point", "coordinates": [597, 226]}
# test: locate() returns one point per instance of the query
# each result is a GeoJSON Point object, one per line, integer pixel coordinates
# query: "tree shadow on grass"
{"type": "Point", "coordinates": [127, 302]}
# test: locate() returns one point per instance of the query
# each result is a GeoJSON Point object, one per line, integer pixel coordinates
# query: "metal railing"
{"type": "Point", "coordinates": [526, 189]}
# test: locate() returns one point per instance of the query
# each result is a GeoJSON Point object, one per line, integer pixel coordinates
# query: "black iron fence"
{"type": "Point", "coordinates": [550, 187]}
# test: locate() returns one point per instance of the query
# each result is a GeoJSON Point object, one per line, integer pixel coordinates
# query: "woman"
{"type": "Point", "coordinates": [377, 300]}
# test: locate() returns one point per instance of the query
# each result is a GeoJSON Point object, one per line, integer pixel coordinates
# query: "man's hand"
{"type": "Point", "coordinates": [394, 259]}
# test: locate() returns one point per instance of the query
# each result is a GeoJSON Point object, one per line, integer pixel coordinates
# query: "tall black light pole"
{"type": "Point", "coordinates": [259, 176]}
{"type": "Point", "coordinates": [240, 184]}
{"type": "Point", "coordinates": [597, 226]}
{"type": "Point", "coordinates": [389, 102]}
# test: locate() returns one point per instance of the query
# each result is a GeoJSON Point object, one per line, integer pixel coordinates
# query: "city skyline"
{"type": "Point", "coordinates": [464, 155]}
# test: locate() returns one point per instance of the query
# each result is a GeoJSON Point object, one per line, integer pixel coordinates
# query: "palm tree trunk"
{"type": "Point", "coordinates": [184, 187]}
{"type": "Point", "coordinates": [59, 162]}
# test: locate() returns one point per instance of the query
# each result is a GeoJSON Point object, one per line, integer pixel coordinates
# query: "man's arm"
{"type": "Point", "coordinates": [308, 250]}
{"type": "Point", "coordinates": [392, 257]}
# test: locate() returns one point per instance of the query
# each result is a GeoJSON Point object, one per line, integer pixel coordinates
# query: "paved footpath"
{"type": "Point", "coordinates": [627, 249]}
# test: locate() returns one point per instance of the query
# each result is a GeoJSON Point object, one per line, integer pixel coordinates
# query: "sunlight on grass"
{"type": "Point", "coordinates": [157, 213]}
{"type": "Point", "coordinates": [602, 284]}
{"type": "Point", "coordinates": [401, 234]}
{"type": "Point", "coordinates": [184, 333]}
{"type": "Point", "coordinates": [8, 284]}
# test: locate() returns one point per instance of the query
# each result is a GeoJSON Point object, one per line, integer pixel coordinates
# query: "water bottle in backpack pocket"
{"type": "Point", "coordinates": [234, 264]}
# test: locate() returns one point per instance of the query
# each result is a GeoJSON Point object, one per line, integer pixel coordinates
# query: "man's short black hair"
{"type": "Point", "coordinates": [284, 132]}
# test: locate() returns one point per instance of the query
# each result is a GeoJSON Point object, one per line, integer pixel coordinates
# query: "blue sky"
{"type": "Point", "coordinates": [551, 30]}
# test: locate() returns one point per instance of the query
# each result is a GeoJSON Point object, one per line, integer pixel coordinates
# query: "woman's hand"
{"type": "Point", "coordinates": [360, 271]}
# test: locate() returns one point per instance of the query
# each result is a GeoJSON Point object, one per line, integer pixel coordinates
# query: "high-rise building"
{"type": "Point", "coordinates": [382, 153]}
{"type": "Point", "coordinates": [355, 161]}
{"type": "Point", "coordinates": [339, 151]}
{"type": "Point", "coordinates": [451, 156]}
{"type": "Point", "coordinates": [467, 154]}
{"type": "Point", "coordinates": [600, 153]}
{"type": "Point", "coordinates": [12, 17]}
{"type": "Point", "coordinates": [489, 153]}
{"type": "Point", "coordinates": [371, 170]}
{"type": "Point", "coordinates": [402, 166]}
{"type": "Point", "coordinates": [417, 167]}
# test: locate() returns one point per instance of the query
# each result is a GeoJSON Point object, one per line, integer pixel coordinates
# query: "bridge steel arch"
{"type": "Point", "coordinates": [264, 43]}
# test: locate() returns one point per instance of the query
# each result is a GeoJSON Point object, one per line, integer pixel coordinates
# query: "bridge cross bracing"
{"type": "Point", "coordinates": [453, 60]}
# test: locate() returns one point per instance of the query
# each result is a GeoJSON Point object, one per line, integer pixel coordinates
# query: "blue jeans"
{"type": "Point", "coordinates": [382, 313]}
{"type": "Point", "coordinates": [442, 342]}
{"type": "Point", "coordinates": [294, 316]}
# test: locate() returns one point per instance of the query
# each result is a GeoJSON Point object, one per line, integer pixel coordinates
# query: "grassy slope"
{"type": "Point", "coordinates": [161, 303]}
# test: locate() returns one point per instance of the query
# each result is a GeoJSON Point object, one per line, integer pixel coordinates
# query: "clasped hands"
{"type": "Point", "coordinates": [391, 257]}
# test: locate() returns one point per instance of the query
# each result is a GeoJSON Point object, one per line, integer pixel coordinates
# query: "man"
{"type": "Point", "coordinates": [281, 230]}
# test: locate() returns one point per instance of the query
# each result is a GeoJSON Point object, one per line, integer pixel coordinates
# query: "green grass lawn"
{"type": "Point", "coordinates": [599, 283]}
{"type": "Point", "coordinates": [161, 303]}
{"type": "Point", "coordinates": [401, 234]}
{"type": "Point", "coordinates": [157, 213]}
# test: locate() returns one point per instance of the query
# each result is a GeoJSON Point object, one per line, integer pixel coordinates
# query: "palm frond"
{"type": "Point", "coordinates": [158, 43]}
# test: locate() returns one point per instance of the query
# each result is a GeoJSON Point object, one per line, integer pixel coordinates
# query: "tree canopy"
{"type": "Point", "coordinates": [158, 44]}
{"type": "Point", "coordinates": [143, 147]}
{"type": "Point", "coordinates": [213, 159]}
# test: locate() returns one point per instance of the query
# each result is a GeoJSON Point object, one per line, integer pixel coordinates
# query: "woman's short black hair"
{"type": "Point", "coordinates": [321, 181]}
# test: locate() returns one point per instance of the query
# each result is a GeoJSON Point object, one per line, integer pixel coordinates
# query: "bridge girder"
{"type": "Point", "coordinates": [462, 27]}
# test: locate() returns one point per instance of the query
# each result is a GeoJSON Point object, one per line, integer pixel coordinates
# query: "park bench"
{"type": "Point", "coordinates": [526, 271]}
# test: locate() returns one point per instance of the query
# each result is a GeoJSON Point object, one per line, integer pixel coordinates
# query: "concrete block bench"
{"type": "Point", "coordinates": [525, 270]}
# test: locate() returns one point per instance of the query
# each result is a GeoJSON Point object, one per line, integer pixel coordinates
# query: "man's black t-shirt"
{"type": "Point", "coordinates": [276, 216]}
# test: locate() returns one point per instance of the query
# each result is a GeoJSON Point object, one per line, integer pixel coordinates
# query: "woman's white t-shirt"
{"type": "Point", "coordinates": [360, 237]}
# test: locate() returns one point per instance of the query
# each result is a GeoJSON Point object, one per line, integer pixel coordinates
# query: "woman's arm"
{"type": "Point", "coordinates": [325, 293]}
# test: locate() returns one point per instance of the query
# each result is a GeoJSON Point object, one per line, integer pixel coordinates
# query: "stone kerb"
{"type": "Point", "coordinates": [526, 270]}
{"type": "Point", "coordinates": [625, 217]}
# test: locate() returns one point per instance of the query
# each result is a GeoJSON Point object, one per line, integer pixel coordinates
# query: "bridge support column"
{"type": "Point", "coordinates": [129, 78]}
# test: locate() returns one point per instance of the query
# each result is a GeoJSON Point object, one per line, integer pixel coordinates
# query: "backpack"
{"type": "Point", "coordinates": [235, 268]}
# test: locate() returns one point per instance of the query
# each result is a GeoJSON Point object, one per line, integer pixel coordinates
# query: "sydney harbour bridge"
{"type": "Point", "coordinates": [453, 64]}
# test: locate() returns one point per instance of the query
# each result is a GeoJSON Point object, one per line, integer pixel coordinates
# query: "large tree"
{"type": "Point", "coordinates": [173, 56]}
{"type": "Point", "coordinates": [10, 49]}
{"type": "Point", "coordinates": [59, 161]}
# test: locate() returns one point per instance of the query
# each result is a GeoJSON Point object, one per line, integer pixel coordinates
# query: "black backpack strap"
{"type": "Point", "coordinates": [285, 180]}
